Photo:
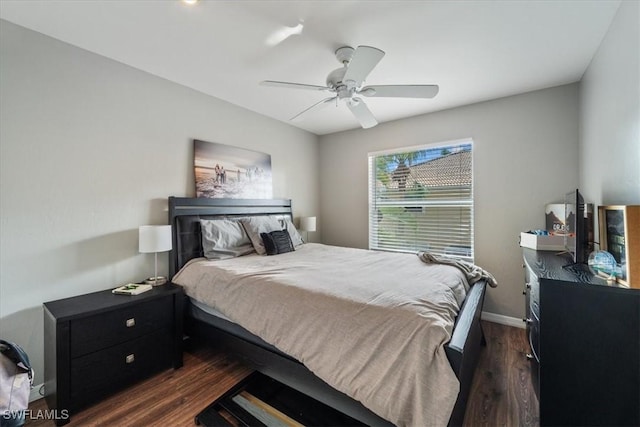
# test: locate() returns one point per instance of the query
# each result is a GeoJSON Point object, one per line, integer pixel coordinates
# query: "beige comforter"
{"type": "Point", "coordinates": [371, 324]}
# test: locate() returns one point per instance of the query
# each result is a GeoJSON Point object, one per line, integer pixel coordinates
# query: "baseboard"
{"type": "Point", "coordinates": [35, 392]}
{"type": "Point", "coordinates": [503, 320]}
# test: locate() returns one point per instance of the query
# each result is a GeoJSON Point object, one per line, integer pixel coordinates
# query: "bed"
{"type": "Point", "coordinates": [205, 323]}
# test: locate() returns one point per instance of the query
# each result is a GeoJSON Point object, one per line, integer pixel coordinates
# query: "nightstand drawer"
{"type": "Point", "coordinates": [100, 373]}
{"type": "Point", "coordinates": [103, 330]}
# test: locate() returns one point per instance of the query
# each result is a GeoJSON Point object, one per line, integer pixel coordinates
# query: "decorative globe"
{"type": "Point", "coordinates": [602, 262]}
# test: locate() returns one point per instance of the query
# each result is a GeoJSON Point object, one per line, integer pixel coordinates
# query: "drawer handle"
{"type": "Point", "coordinates": [527, 321]}
{"type": "Point", "coordinates": [131, 322]}
{"type": "Point", "coordinates": [130, 358]}
{"type": "Point", "coordinates": [529, 356]}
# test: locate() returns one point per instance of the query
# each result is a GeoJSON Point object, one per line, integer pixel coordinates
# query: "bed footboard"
{"type": "Point", "coordinates": [464, 348]}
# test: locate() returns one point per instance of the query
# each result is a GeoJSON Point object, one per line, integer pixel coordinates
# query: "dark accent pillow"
{"type": "Point", "coordinates": [277, 242]}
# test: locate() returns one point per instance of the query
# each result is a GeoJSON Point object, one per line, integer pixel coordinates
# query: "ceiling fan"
{"type": "Point", "coordinates": [346, 83]}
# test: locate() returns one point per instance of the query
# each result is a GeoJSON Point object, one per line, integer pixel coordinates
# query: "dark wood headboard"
{"type": "Point", "coordinates": [185, 214]}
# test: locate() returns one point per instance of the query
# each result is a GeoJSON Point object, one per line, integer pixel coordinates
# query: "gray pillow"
{"type": "Point", "coordinates": [254, 225]}
{"type": "Point", "coordinates": [224, 238]}
{"type": "Point", "coordinates": [296, 239]}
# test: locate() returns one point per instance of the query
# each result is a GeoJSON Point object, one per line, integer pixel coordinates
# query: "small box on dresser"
{"type": "Point", "coordinates": [99, 343]}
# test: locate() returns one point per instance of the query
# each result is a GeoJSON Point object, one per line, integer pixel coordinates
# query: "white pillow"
{"type": "Point", "coordinates": [223, 238]}
{"type": "Point", "coordinates": [254, 225]}
{"type": "Point", "coordinates": [296, 239]}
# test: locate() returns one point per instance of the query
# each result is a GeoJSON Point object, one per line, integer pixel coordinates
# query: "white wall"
{"type": "Point", "coordinates": [525, 156]}
{"type": "Point", "coordinates": [90, 149]}
{"type": "Point", "coordinates": [610, 114]}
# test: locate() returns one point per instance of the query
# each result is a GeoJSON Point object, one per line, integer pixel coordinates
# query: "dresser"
{"type": "Point", "coordinates": [99, 343]}
{"type": "Point", "coordinates": [585, 344]}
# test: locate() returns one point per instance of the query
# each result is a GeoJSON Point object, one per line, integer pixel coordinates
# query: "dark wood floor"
{"type": "Point", "coordinates": [501, 395]}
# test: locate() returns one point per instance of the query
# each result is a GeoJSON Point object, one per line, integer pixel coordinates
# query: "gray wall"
{"type": "Point", "coordinates": [610, 114]}
{"type": "Point", "coordinates": [89, 150]}
{"type": "Point", "coordinates": [525, 156]}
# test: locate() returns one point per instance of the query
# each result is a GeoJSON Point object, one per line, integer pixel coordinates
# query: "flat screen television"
{"type": "Point", "coordinates": [576, 223]}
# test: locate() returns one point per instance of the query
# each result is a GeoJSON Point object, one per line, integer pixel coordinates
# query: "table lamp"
{"type": "Point", "coordinates": [154, 239]}
{"type": "Point", "coordinates": [308, 224]}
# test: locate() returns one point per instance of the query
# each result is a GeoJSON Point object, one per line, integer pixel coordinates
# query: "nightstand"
{"type": "Point", "coordinates": [99, 343]}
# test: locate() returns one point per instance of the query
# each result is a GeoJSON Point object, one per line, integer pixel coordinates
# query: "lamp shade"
{"type": "Point", "coordinates": [154, 238]}
{"type": "Point", "coordinates": [308, 223]}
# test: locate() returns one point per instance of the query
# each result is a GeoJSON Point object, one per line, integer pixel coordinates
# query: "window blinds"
{"type": "Point", "coordinates": [421, 199]}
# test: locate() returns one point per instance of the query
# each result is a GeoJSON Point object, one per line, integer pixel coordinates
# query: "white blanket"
{"type": "Point", "coordinates": [371, 324]}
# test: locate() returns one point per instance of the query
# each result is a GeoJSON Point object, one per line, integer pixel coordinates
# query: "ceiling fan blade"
{"type": "Point", "coordinates": [362, 113]}
{"type": "Point", "coordinates": [293, 85]}
{"type": "Point", "coordinates": [317, 105]}
{"type": "Point", "coordinates": [365, 58]}
{"type": "Point", "coordinates": [401, 91]}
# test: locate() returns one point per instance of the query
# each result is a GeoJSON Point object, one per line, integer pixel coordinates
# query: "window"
{"type": "Point", "coordinates": [421, 199]}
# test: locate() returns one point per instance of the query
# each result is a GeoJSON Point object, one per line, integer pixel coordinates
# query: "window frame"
{"type": "Point", "coordinates": [373, 204]}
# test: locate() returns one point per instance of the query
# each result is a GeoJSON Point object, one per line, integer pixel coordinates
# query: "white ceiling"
{"type": "Point", "coordinates": [475, 50]}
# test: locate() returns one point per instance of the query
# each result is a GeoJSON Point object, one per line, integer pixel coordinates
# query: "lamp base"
{"type": "Point", "coordinates": [156, 281]}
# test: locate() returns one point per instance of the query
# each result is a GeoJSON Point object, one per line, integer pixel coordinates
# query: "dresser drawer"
{"type": "Point", "coordinates": [102, 372]}
{"type": "Point", "coordinates": [104, 330]}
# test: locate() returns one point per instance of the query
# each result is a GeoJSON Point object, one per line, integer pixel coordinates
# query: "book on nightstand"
{"type": "Point", "coordinates": [132, 289]}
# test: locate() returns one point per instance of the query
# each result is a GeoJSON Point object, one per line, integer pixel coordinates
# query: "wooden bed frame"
{"type": "Point", "coordinates": [184, 215]}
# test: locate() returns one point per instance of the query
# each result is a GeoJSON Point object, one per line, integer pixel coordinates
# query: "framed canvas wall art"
{"type": "Point", "coordinates": [225, 171]}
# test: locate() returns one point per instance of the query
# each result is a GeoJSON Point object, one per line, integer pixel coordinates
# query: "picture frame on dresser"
{"type": "Point", "coordinates": [619, 227]}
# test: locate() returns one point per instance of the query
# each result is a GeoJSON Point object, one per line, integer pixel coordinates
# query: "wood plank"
{"type": "Point", "coordinates": [283, 418]}
{"type": "Point", "coordinates": [501, 392]}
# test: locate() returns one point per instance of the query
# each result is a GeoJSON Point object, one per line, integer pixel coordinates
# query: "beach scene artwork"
{"type": "Point", "coordinates": [224, 171]}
